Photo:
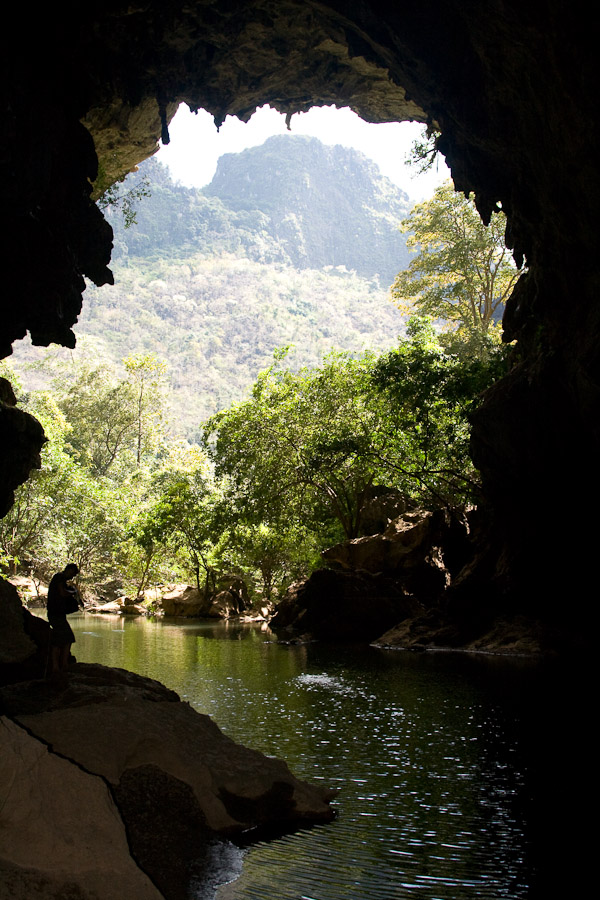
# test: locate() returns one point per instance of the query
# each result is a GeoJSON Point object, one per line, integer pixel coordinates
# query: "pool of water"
{"type": "Point", "coordinates": [448, 766]}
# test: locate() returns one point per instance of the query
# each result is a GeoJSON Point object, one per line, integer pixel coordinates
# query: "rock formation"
{"type": "Point", "coordinates": [60, 831]}
{"type": "Point", "coordinates": [21, 439]}
{"type": "Point", "coordinates": [109, 745]}
{"type": "Point", "coordinates": [375, 582]}
{"type": "Point", "coordinates": [402, 588]}
{"type": "Point", "coordinates": [230, 598]}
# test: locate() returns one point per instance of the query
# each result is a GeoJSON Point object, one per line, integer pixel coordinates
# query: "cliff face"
{"type": "Point", "coordinates": [512, 87]}
{"type": "Point", "coordinates": [326, 206]}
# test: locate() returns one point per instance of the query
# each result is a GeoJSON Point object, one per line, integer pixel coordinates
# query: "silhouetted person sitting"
{"type": "Point", "coordinates": [62, 600]}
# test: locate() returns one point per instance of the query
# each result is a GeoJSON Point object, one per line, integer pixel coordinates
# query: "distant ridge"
{"type": "Point", "coordinates": [293, 200]}
{"type": "Point", "coordinates": [326, 205]}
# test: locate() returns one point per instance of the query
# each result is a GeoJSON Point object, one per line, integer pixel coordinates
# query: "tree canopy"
{"type": "Point", "coordinates": [303, 445]}
{"type": "Point", "coordinates": [462, 272]}
{"type": "Point", "coordinates": [309, 447]}
{"type": "Point", "coordinates": [282, 475]}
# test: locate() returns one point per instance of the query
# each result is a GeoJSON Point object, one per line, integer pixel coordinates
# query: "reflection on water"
{"type": "Point", "coordinates": [439, 758]}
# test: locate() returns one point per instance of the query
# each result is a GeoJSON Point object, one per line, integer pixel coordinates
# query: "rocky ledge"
{"type": "Point", "coordinates": [403, 588]}
{"type": "Point", "coordinates": [112, 786]}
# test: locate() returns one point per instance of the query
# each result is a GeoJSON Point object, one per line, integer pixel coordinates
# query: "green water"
{"type": "Point", "coordinates": [436, 756]}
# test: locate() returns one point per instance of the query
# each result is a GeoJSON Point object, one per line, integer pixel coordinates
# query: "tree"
{"type": "Point", "coordinates": [81, 503]}
{"type": "Point", "coordinates": [184, 512]}
{"type": "Point", "coordinates": [118, 197]}
{"type": "Point", "coordinates": [102, 414]}
{"type": "Point", "coordinates": [275, 555]}
{"type": "Point", "coordinates": [301, 449]}
{"type": "Point", "coordinates": [28, 532]}
{"type": "Point", "coordinates": [145, 373]}
{"type": "Point", "coordinates": [431, 390]}
{"type": "Point", "coordinates": [114, 421]}
{"type": "Point", "coordinates": [424, 152]}
{"type": "Point", "coordinates": [462, 272]}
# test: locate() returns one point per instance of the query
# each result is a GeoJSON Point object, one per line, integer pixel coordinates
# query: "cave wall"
{"type": "Point", "coordinates": [512, 87]}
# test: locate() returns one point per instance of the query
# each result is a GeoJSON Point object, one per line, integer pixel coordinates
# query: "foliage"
{"type": "Point", "coordinates": [300, 449]}
{"type": "Point", "coordinates": [288, 470]}
{"type": "Point", "coordinates": [115, 421]}
{"type": "Point", "coordinates": [210, 288]}
{"type": "Point", "coordinates": [307, 448]}
{"type": "Point", "coordinates": [186, 510]}
{"type": "Point", "coordinates": [123, 198]}
{"type": "Point", "coordinates": [431, 391]}
{"type": "Point", "coordinates": [31, 528]}
{"type": "Point", "coordinates": [462, 272]}
{"type": "Point", "coordinates": [290, 467]}
{"type": "Point", "coordinates": [79, 505]}
{"type": "Point", "coordinates": [145, 373]}
{"type": "Point", "coordinates": [275, 556]}
{"type": "Point", "coordinates": [424, 151]}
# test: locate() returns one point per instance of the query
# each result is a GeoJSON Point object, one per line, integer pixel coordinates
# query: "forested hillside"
{"type": "Point", "coordinates": [292, 243]}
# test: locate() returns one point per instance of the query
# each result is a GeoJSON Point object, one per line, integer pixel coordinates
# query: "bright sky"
{"type": "Point", "coordinates": [195, 144]}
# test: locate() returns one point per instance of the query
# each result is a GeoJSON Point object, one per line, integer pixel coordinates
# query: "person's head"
{"type": "Point", "coordinates": [71, 570]}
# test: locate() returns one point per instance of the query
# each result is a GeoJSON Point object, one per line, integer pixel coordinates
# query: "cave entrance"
{"type": "Point", "coordinates": [110, 328]}
{"type": "Point", "coordinates": [511, 92]}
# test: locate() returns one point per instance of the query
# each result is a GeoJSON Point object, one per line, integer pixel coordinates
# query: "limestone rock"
{"type": "Point", "coordinates": [383, 505]}
{"type": "Point", "coordinates": [422, 548]}
{"type": "Point", "coordinates": [15, 644]}
{"type": "Point", "coordinates": [509, 636]}
{"type": "Point", "coordinates": [21, 439]}
{"type": "Point", "coordinates": [382, 578]}
{"type": "Point", "coordinates": [33, 593]}
{"type": "Point", "coordinates": [185, 601]}
{"type": "Point", "coordinates": [182, 600]}
{"type": "Point", "coordinates": [342, 606]}
{"type": "Point", "coordinates": [223, 605]}
{"type": "Point", "coordinates": [60, 831]}
{"type": "Point", "coordinates": [121, 606]}
{"type": "Point", "coordinates": [112, 722]}
{"type": "Point", "coordinates": [177, 781]}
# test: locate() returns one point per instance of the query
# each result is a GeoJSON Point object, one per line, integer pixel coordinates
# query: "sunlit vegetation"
{"type": "Point", "coordinates": [462, 272]}
{"type": "Point", "coordinates": [214, 285]}
{"type": "Point", "coordinates": [280, 476]}
{"type": "Point", "coordinates": [208, 451]}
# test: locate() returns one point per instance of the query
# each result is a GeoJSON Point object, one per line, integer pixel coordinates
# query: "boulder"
{"type": "Point", "coordinates": [121, 606]}
{"type": "Point", "coordinates": [109, 589]}
{"type": "Point", "coordinates": [223, 605]}
{"type": "Point", "coordinates": [24, 639]}
{"type": "Point", "coordinates": [388, 577]}
{"type": "Point", "coordinates": [380, 508]}
{"type": "Point", "coordinates": [165, 763]}
{"type": "Point", "coordinates": [342, 606]}
{"type": "Point", "coordinates": [32, 593]}
{"type": "Point", "coordinates": [238, 589]}
{"type": "Point", "coordinates": [423, 548]}
{"type": "Point", "coordinates": [61, 834]}
{"type": "Point", "coordinates": [182, 600]}
{"type": "Point", "coordinates": [516, 635]}
{"type": "Point", "coordinates": [15, 645]}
